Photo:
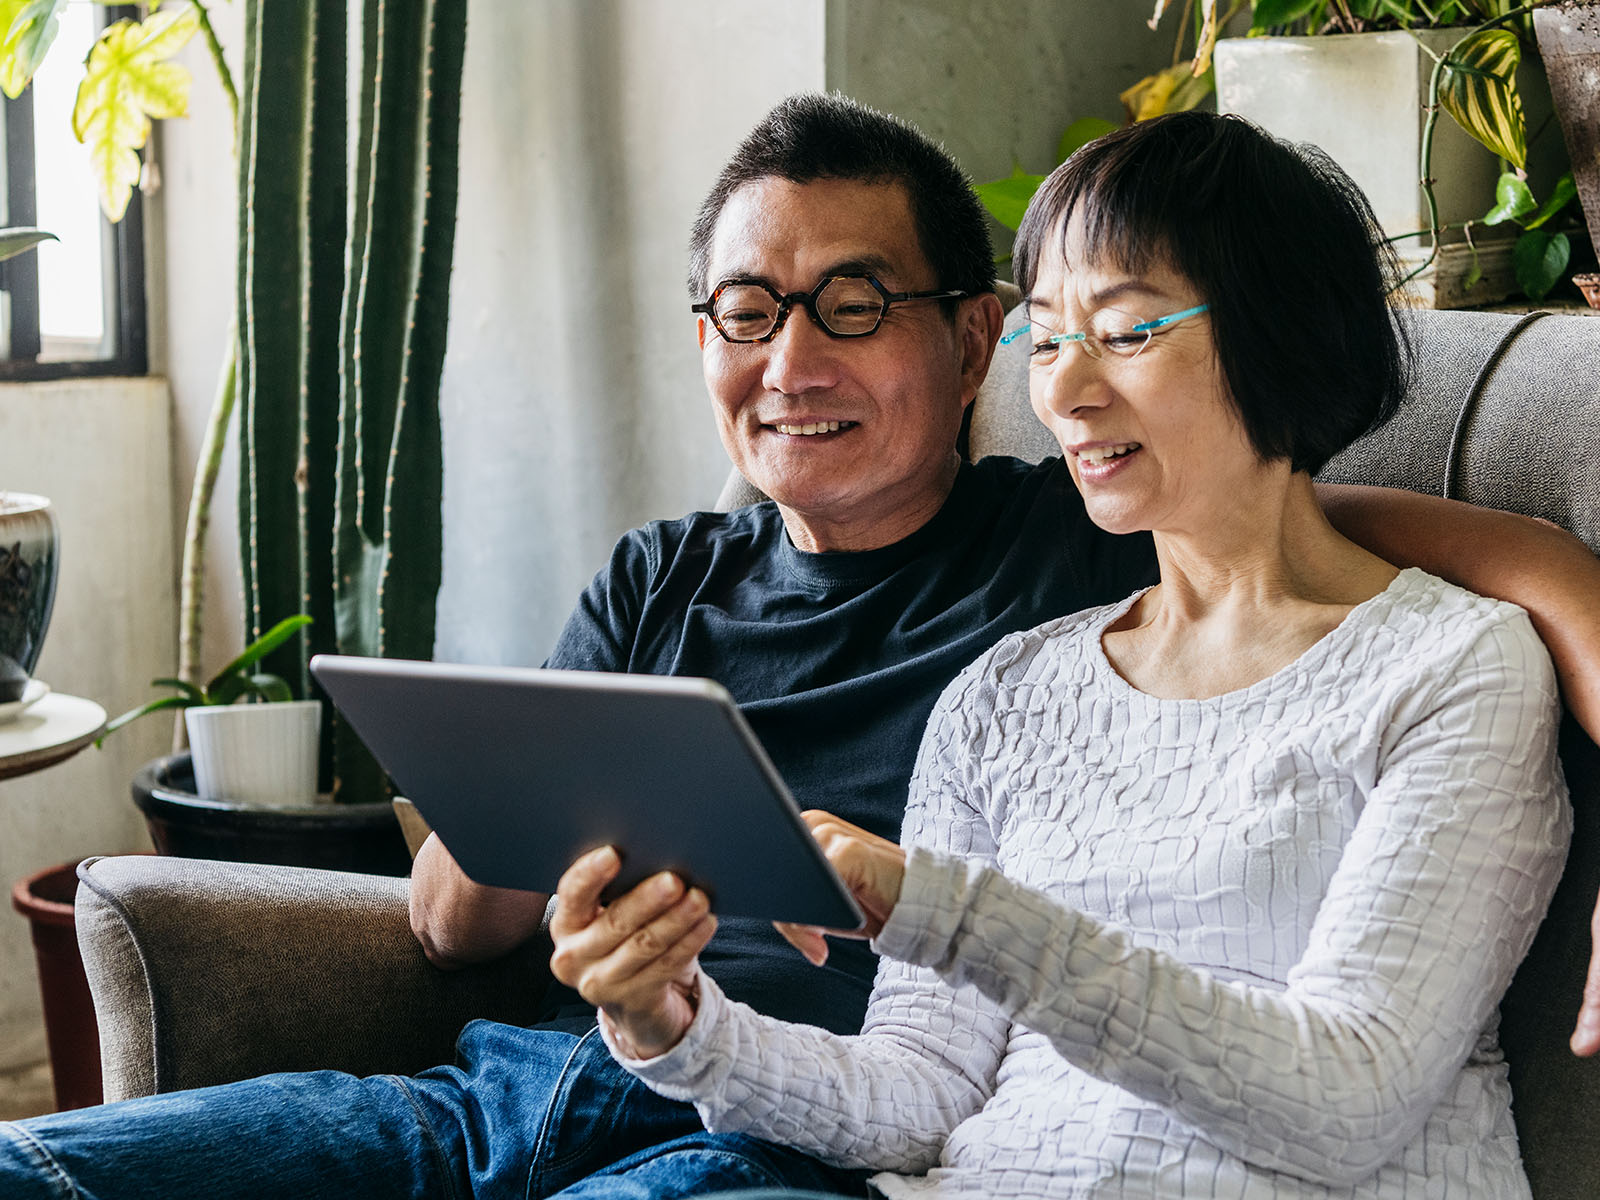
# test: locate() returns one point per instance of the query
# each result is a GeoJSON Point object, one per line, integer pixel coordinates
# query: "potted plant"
{"type": "Point", "coordinates": [247, 790]}
{"type": "Point", "coordinates": [1366, 80]}
{"type": "Point", "coordinates": [252, 742]}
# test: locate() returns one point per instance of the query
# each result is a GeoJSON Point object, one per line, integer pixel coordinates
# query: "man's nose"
{"type": "Point", "coordinates": [800, 356]}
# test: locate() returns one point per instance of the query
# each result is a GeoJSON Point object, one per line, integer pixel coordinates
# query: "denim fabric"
{"type": "Point", "coordinates": [523, 1114]}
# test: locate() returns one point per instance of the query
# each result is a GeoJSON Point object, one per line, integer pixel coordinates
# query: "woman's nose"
{"type": "Point", "coordinates": [1075, 381]}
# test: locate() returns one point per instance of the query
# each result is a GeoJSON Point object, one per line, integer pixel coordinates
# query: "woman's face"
{"type": "Point", "coordinates": [1152, 440]}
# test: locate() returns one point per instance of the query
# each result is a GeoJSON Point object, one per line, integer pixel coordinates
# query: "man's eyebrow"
{"type": "Point", "coordinates": [861, 264]}
{"type": "Point", "coordinates": [866, 264]}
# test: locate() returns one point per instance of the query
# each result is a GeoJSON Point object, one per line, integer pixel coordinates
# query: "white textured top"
{"type": "Point", "coordinates": [1247, 946]}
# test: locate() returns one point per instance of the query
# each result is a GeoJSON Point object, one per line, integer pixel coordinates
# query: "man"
{"type": "Point", "coordinates": [844, 285]}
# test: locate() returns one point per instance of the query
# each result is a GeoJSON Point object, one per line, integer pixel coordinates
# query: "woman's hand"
{"type": "Point", "coordinates": [871, 867]}
{"type": "Point", "coordinates": [635, 959]}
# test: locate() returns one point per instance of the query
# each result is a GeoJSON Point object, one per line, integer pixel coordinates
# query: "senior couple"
{"type": "Point", "coordinates": [1198, 841]}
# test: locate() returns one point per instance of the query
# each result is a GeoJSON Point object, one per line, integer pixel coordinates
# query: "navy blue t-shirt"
{"type": "Point", "coordinates": [837, 658]}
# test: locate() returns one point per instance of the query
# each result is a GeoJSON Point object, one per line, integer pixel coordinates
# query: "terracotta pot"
{"type": "Point", "coordinates": [1589, 285]}
{"type": "Point", "coordinates": [70, 1029]}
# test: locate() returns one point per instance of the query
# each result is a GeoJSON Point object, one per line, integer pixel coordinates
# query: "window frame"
{"type": "Point", "coordinates": [123, 255]}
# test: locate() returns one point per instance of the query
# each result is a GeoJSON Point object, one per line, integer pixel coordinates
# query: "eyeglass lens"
{"type": "Point", "coordinates": [848, 305]}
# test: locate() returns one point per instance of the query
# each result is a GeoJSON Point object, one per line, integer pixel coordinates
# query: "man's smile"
{"type": "Point", "coordinates": [809, 428]}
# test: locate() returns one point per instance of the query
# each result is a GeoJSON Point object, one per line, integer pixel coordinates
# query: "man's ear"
{"type": "Point", "coordinates": [978, 325]}
{"type": "Point", "coordinates": [700, 331]}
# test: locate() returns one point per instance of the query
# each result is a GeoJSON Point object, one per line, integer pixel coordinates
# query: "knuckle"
{"type": "Point", "coordinates": [650, 943]}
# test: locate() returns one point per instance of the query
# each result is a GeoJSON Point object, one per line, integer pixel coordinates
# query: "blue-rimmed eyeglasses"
{"type": "Point", "coordinates": [846, 306]}
{"type": "Point", "coordinates": [1111, 334]}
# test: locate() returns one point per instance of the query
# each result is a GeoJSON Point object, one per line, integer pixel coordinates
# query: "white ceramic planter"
{"type": "Point", "coordinates": [1361, 98]}
{"type": "Point", "coordinates": [260, 754]}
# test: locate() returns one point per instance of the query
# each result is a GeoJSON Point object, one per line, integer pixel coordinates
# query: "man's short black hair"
{"type": "Point", "coordinates": [812, 136]}
{"type": "Point", "coordinates": [1276, 238]}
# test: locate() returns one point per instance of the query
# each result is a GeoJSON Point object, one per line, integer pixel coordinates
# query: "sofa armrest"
{"type": "Point", "coordinates": [205, 972]}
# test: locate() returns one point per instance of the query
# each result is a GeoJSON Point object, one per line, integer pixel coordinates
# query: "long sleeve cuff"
{"type": "Point", "coordinates": [926, 918]}
{"type": "Point", "coordinates": [682, 1073]}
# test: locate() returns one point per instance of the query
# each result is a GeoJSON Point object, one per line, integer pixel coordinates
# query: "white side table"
{"type": "Point", "coordinates": [54, 729]}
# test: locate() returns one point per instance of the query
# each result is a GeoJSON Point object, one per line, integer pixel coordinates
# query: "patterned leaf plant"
{"type": "Point", "coordinates": [1480, 91]}
{"type": "Point", "coordinates": [1475, 82]}
{"type": "Point", "coordinates": [29, 27]}
{"type": "Point", "coordinates": [126, 82]}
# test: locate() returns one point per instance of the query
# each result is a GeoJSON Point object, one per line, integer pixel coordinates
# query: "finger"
{"type": "Point", "coordinates": [601, 931]}
{"type": "Point", "coordinates": [807, 939]}
{"type": "Point", "coordinates": [1586, 1036]}
{"type": "Point", "coordinates": [651, 956]}
{"type": "Point", "coordinates": [579, 890]}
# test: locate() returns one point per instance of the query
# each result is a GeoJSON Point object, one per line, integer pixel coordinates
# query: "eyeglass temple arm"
{"type": "Point", "coordinates": [1162, 322]}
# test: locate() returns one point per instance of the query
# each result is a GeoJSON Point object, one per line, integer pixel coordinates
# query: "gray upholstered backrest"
{"type": "Point", "coordinates": [1511, 410]}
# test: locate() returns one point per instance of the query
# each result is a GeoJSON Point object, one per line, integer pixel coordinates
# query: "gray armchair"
{"type": "Point", "coordinates": [204, 972]}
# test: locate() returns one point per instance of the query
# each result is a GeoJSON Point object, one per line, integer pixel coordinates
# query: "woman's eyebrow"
{"type": "Point", "coordinates": [1117, 291]}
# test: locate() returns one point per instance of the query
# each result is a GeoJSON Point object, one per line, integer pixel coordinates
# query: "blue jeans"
{"type": "Point", "coordinates": [524, 1113]}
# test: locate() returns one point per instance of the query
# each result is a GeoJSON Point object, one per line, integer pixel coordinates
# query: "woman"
{"type": "Point", "coordinates": [1212, 892]}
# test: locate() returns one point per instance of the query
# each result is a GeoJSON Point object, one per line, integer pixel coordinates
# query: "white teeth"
{"type": "Point", "coordinates": [1099, 454]}
{"type": "Point", "coordinates": [808, 430]}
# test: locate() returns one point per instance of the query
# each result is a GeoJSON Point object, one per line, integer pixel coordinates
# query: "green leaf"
{"type": "Point", "coordinates": [1565, 192]}
{"type": "Point", "coordinates": [1079, 134]}
{"type": "Point", "coordinates": [31, 26]}
{"type": "Point", "coordinates": [195, 695]}
{"type": "Point", "coordinates": [1540, 259]}
{"type": "Point", "coordinates": [1007, 199]}
{"type": "Point", "coordinates": [255, 652]}
{"type": "Point", "coordinates": [270, 687]}
{"type": "Point", "coordinates": [127, 82]}
{"type": "Point", "coordinates": [134, 714]}
{"type": "Point", "coordinates": [1513, 200]}
{"type": "Point", "coordinates": [16, 241]}
{"type": "Point", "coordinates": [1268, 14]}
{"type": "Point", "coordinates": [1479, 90]}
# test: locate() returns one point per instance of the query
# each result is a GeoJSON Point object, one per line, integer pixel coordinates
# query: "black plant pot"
{"type": "Point", "coordinates": [337, 837]}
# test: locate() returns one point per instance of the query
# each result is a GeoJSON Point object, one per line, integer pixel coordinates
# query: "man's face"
{"type": "Point", "coordinates": [884, 410]}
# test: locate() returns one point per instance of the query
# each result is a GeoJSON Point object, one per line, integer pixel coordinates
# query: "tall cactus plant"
{"type": "Point", "coordinates": [346, 237]}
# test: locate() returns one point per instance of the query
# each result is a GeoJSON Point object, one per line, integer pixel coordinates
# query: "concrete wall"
{"type": "Point", "coordinates": [573, 405]}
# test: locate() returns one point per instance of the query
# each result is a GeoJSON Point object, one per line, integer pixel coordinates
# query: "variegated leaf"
{"type": "Point", "coordinates": [31, 26]}
{"type": "Point", "coordinates": [1479, 90]}
{"type": "Point", "coordinates": [127, 82]}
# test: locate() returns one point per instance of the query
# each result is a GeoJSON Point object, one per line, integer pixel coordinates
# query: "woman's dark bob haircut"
{"type": "Point", "coordinates": [1280, 243]}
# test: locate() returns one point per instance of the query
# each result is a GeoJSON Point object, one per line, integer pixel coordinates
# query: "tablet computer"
{"type": "Point", "coordinates": [521, 770]}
